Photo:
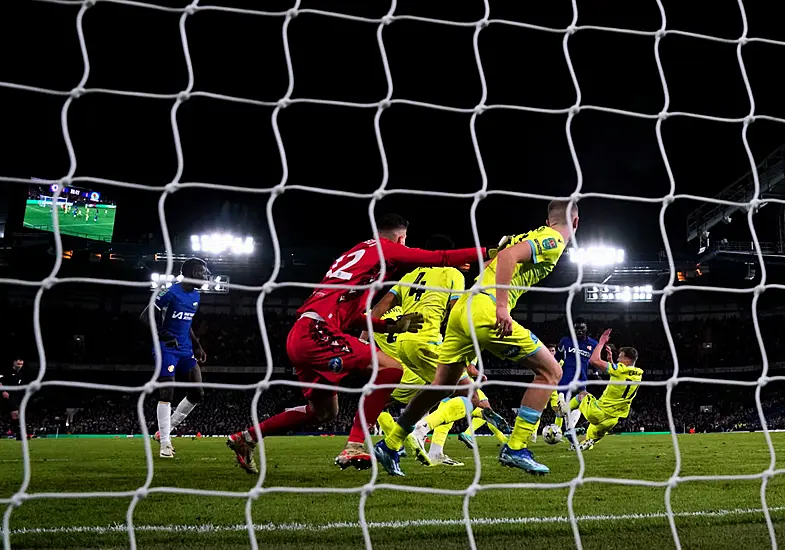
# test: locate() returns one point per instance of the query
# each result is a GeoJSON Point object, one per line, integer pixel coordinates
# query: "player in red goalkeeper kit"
{"type": "Point", "coordinates": [322, 351]}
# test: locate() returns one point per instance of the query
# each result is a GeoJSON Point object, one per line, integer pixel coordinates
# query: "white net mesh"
{"type": "Point", "coordinates": [286, 18]}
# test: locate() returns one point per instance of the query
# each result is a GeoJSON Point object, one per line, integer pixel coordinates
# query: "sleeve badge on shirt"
{"type": "Point", "coordinates": [335, 364]}
{"type": "Point", "coordinates": [549, 243]}
{"type": "Point", "coordinates": [170, 368]}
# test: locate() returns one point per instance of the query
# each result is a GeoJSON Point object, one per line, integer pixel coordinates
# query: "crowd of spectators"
{"type": "Point", "coordinates": [96, 337]}
{"type": "Point", "coordinates": [698, 407]}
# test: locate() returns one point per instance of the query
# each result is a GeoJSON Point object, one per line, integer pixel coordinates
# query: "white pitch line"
{"type": "Point", "coordinates": [403, 524]}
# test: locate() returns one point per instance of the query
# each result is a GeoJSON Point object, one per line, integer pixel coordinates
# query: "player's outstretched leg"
{"type": "Point", "coordinates": [467, 436]}
{"type": "Point", "coordinates": [322, 407]}
{"type": "Point", "coordinates": [447, 375]}
{"type": "Point", "coordinates": [436, 450]}
{"type": "Point", "coordinates": [194, 397]}
{"type": "Point", "coordinates": [515, 453]}
{"type": "Point", "coordinates": [386, 422]}
{"type": "Point", "coordinates": [354, 453]}
{"type": "Point", "coordinates": [164, 412]}
{"type": "Point", "coordinates": [448, 412]}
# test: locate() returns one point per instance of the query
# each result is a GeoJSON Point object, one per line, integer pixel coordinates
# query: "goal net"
{"type": "Point", "coordinates": [286, 21]}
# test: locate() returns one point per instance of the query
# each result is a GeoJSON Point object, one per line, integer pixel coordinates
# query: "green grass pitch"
{"type": "Point", "coordinates": [709, 514]}
{"type": "Point", "coordinates": [37, 217]}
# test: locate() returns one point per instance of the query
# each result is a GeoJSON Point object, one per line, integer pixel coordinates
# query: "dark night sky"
{"type": "Point", "coordinates": [327, 146]}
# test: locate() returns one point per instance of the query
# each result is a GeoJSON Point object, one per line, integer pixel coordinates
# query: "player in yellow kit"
{"type": "Point", "coordinates": [614, 403]}
{"type": "Point", "coordinates": [527, 259]}
{"type": "Point", "coordinates": [388, 344]}
{"type": "Point", "coordinates": [419, 355]}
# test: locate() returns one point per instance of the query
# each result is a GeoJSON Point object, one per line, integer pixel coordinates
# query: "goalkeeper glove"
{"type": "Point", "coordinates": [411, 322]}
{"type": "Point", "coordinates": [168, 339]}
{"type": "Point", "coordinates": [494, 250]}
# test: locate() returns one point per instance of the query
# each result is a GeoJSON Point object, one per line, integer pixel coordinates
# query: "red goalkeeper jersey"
{"type": "Point", "coordinates": [361, 265]}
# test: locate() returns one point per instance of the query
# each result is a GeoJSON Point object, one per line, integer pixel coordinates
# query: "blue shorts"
{"type": "Point", "coordinates": [173, 362]}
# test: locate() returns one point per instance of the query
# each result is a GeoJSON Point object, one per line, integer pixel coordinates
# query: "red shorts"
{"type": "Point", "coordinates": [322, 354]}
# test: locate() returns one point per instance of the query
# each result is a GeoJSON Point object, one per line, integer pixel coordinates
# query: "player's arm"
{"type": "Point", "coordinates": [560, 351]}
{"type": "Point", "coordinates": [410, 322]}
{"type": "Point", "coordinates": [429, 258]}
{"type": "Point", "coordinates": [596, 355]}
{"type": "Point", "coordinates": [199, 353]}
{"type": "Point", "coordinates": [471, 370]}
{"type": "Point", "coordinates": [506, 261]}
{"type": "Point", "coordinates": [161, 302]}
{"type": "Point", "coordinates": [458, 285]}
{"type": "Point", "coordinates": [388, 301]}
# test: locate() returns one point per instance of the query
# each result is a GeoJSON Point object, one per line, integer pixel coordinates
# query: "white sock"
{"type": "Point", "coordinates": [421, 429]}
{"type": "Point", "coordinates": [164, 414]}
{"type": "Point", "coordinates": [435, 451]}
{"type": "Point", "coordinates": [575, 416]}
{"type": "Point", "coordinates": [183, 409]}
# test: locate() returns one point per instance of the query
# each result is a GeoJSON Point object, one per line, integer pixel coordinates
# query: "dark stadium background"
{"type": "Point", "coordinates": [130, 139]}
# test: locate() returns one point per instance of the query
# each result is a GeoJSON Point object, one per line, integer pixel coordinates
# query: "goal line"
{"type": "Point", "coordinates": [403, 524]}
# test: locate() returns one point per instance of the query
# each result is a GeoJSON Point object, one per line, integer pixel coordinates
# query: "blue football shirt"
{"type": "Point", "coordinates": [566, 352]}
{"type": "Point", "coordinates": [178, 308]}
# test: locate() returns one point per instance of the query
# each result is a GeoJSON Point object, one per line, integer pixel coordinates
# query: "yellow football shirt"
{"type": "Point", "coordinates": [616, 400]}
{"type": "Point", "coordinates": [431, 303]}
{"type": "Point", "coordinates": [547, 246]}
{"type": "Point", "coordinates": [387, 342]}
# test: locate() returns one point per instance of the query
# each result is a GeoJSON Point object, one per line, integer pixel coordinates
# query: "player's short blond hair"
{"type": "Point", "coordinates": [557, 212]}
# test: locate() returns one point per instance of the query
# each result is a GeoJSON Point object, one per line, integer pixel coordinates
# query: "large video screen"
{"type": "Point", "coordinates": [80, 212]}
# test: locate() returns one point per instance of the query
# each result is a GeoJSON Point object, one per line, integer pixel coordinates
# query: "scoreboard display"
{"type": "Point", "coordinates": [614, 293]}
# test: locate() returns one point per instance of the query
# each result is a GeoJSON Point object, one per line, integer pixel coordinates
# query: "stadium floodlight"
{"type": "Point", "coordinates": [597, 256]}
{"type": "Point", "coordinates": [159, 281]}
{"type": "Point", "coordinates": [616, 293]}
{"type": "Point", "coordinates": [218, 243]}
{"type": "Point", "coordinates": [218, 284]}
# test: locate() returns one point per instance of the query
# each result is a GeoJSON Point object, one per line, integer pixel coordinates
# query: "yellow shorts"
{"type": "Point", "coordinates": [600, 422]}
{"type": "Point", "coordinates": [421, 357]}
{"type": "Point", "coordinates": [554, 402]}
{"type": "Point", "coordinates": [384, 344]}
{"type": "Point", "coordinates": [458, 347]}
{"type": "Point", "coordinates": [404, 395]}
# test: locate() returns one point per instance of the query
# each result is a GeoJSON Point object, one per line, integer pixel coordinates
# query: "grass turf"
{"type": "Point", "coordinates": [37, 217]}
{"type": "Point", "coordinates": [710, 514]}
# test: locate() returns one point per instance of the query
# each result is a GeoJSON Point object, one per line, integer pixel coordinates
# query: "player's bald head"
{"type": "Point", "coordinates": [558, 212]}
{"type": "Point", "coordinates": [393, 227]}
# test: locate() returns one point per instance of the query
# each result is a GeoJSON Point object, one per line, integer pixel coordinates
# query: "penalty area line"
{"type": "Point", "coordinates": [403, 524]}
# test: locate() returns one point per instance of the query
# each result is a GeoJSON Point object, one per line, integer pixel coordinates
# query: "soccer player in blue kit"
{"type": "Point", "coordinates": [181, 351]}
{"type": "Point", "coordinates": [565, 353]}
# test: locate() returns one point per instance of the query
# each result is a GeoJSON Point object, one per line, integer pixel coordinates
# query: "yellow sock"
{"type": "Point", "coordinates": [477, 423]}
{"type": "Point", "coordinates": [448, 411]}
{"type": "Point", "coordinates": [537, 425]}
{"type": "Point", "coordinates": [559, 421]}
{"type": "Point", "coordinates": [500, 436]}
{"type": "Point", "coordinates": [524, 427]}
{"type": "Point", "coordinates": [439, 436]}
{"type": "Point", "coordinates": [386, 422]}
{"type": "Point", "coordinates": [477, 412]}
{"type": "Point", "coordinates": [395, 437]}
